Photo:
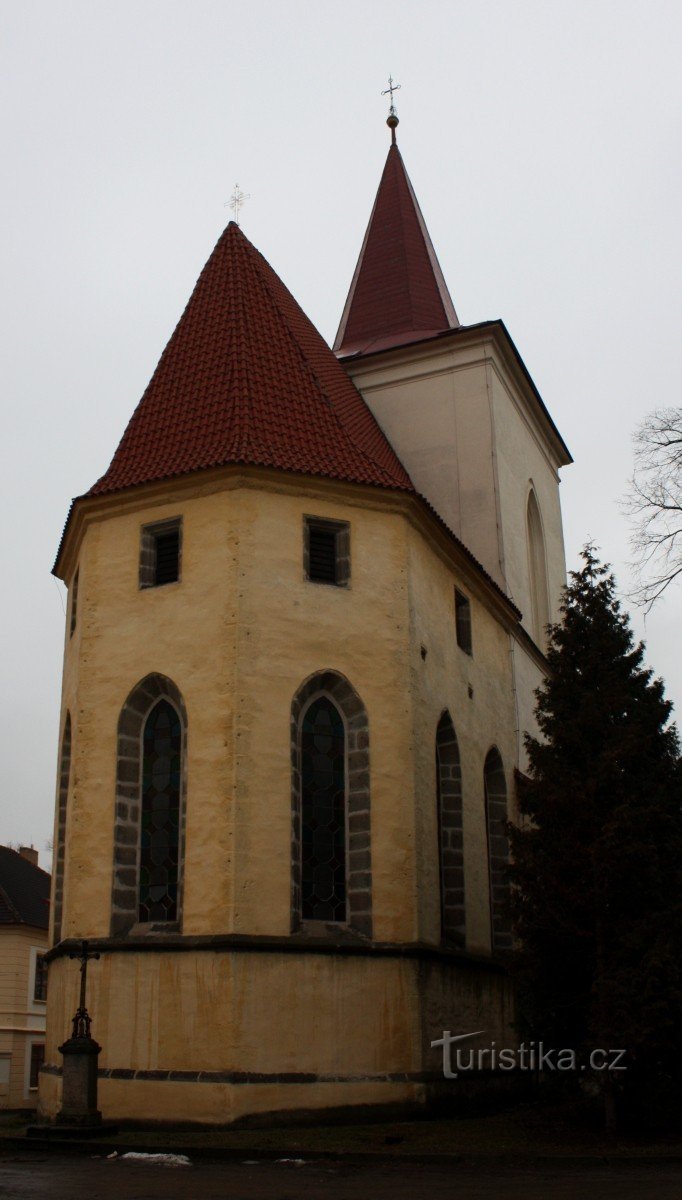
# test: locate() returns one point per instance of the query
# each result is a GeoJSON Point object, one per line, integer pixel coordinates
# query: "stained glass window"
{"type": "Point", "coordinates": [160, 832]}
{"type": "Point", "coordinates": [323, 833]}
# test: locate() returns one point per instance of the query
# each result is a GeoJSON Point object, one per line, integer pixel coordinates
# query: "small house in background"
{"type": "Point", "coordinates": [24, 916]}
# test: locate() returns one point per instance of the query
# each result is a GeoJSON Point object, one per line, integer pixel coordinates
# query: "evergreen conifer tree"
{"type": "Point", "coordinates": [597, 864]}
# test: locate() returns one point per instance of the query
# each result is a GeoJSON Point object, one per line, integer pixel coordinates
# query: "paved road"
{"type": "Point", "coordinates": [64, 1178]}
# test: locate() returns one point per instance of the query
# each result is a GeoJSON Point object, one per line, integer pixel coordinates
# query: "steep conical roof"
{"type": "Point", "coordinates": [246, 378]}
{"type": "Point", "coordinates": [398, 293]}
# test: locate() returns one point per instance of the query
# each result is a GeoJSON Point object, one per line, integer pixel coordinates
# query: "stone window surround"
{"type": "Point", "coordinates": [148, 535]}
{"type": "Point", "coordinates": [342, 531]}
{"type": "Point", "coordinates": [128, 804]}
{"type": "Point", "coordinates": [450, 833]}
{"type": "Point", "coordinates": [358, 849]}
{"type": "Point", "coordinates": [60, 842]}
{"type": "Point", "coordinates": [496, 816]}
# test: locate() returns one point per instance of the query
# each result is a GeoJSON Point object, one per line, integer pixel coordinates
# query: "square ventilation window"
{"type": "Point", "coordinates": [463, 621]}
{"type": "Point", "coordinates": [160, 547]}
{"type": "Point", "coordinates": [326, 551]}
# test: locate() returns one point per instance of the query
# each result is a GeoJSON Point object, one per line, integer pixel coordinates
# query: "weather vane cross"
{"type": "Point", "coordinates": [237, 200]}
{"type": "Point", "coordinates": [392, 87]}
{"type": "Point", "coordinates": [392, 118]}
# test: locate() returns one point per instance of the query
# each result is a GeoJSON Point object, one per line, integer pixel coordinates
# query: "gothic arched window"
{"type": "Point", "coordinates": [60, 830]}
{"type": "Point", "coordinates": [331, 862]}
{"type": "Point", "coordinates": [150, 807]}
{"type": "Point", "coordinates": [537, 566]}
{"type": "Point", "coordinates": [323, 813]}
{"type": "Point", "coordinates": [450, 832]}
{"type": "Point", "coordinates": [160, 816]}
{"type": "Point", "coordinates": [498, 851]}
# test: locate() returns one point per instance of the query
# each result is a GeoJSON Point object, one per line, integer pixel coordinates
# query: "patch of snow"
{"type": "Point", "coordinates": [158, 1160]}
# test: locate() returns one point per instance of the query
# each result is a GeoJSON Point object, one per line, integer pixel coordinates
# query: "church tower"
{"type": "Point", "coordinates": [290, 714]}
{"type": "Point", "coordinates": [459, 407]}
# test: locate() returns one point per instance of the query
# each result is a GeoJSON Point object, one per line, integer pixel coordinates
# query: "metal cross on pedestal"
{"type": "Point", "coordinates": [236, 201]}
{"type": "Point", "coordinates": [82, 1021]}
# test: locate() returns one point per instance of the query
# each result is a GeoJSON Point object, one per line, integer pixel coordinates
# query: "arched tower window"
{"type": "Point", "coordinates": [450, 833]}
{"type": "Point", "coordinates": [323, 813]}
{"type": "Point", "coordinates": [151, 792]}
{"type": "Point", "coordinates": [60, 830]}
{"type": "Point", "coordinates": [331, 863]}
{"type": "Point", "coordinates": [160, 818]}
{"type": "Point", "coordinates": [537, 567]}
{"type": "Point", "coordinates": [498, 851]}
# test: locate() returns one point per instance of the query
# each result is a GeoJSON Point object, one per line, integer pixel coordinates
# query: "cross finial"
{"type": "Point", "coordinates": [392, 118]}
{"type": "Point", "coordinates": [81, 1021]}
{"type": "Point", "coordinates": [236, 201]}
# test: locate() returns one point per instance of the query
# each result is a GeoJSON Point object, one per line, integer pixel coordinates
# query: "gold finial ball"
{"type": "Point", "coordinates": [392, 120]}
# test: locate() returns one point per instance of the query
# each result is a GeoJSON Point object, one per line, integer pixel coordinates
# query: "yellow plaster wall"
{"type": "Point", "coordinates": [289, 629]}
{"type": "Point", "coordinates": [238, 635]}
{"type": "Point", "coordinates": [236, 1011]}
{"type": "Point", "coordinates": [22, 1019]}
{"type": "Point", "coordinates": [442, 681]}
{"type": "Point", "coordinates": [251, 1012]}
{"type": "Point", "coordinates": [186, 631]}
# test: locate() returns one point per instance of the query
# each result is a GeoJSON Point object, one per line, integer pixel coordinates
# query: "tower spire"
{"type": "Point", "coordinates": [392, 118]}
{"type": "Point", "coordinates": [398, 293]}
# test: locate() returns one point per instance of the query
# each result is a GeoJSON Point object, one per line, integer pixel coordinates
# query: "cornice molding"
{"type": "Point", "coordinates": [88, 510]}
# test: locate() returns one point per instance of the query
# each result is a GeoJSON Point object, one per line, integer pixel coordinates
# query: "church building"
{"type": "Point", "coordinates": [307, 610]}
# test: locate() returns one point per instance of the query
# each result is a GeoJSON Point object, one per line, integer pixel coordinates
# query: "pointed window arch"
{"type": "Point", "coordinates": [537, 567]}
{"type": "Point", "coordinates": [498, 850]}
{"type": "Point", "coordinates": [450, 833]}
{"type": "Point", "coordinates": [60, 830]}
{"type": "Point", "coordinates": [331, 864]}
{"type": "Point", "coordinates": [151, 788]}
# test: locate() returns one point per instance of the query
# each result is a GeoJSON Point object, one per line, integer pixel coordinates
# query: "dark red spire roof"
{"type": "Point", "coordinates": [398, 293]}
{"type": "Point", "coordinates": [246, 378]}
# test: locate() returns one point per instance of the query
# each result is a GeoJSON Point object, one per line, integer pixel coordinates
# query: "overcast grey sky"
{"type": "Point", "coordinates": [543, 141]}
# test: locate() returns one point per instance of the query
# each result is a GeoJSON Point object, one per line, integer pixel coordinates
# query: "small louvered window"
{"type": "Point", "coordinates": [326, 551]}
{"type": "Point", "coordinates": [160, 551]}
{"type": "Point", "coordinates": [167, 557]}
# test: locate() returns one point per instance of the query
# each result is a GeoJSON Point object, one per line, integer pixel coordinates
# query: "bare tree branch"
{"type": "Point", "coordinates": [655, 504]}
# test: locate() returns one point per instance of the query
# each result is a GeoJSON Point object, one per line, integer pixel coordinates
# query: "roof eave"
{"type": "Point", "coordinates": [499, 330]}
{"type": "Point", "coordinates": [147, 493]}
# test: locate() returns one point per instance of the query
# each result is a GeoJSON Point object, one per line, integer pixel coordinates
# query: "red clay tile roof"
{"type": "Point", "coordinates": [398, 293]}
{"type": "Point", "coordinates": [246, 378]}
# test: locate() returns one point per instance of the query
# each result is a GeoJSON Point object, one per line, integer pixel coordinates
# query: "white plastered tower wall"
{"type": "Point", "coordinates": [464, 417]}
